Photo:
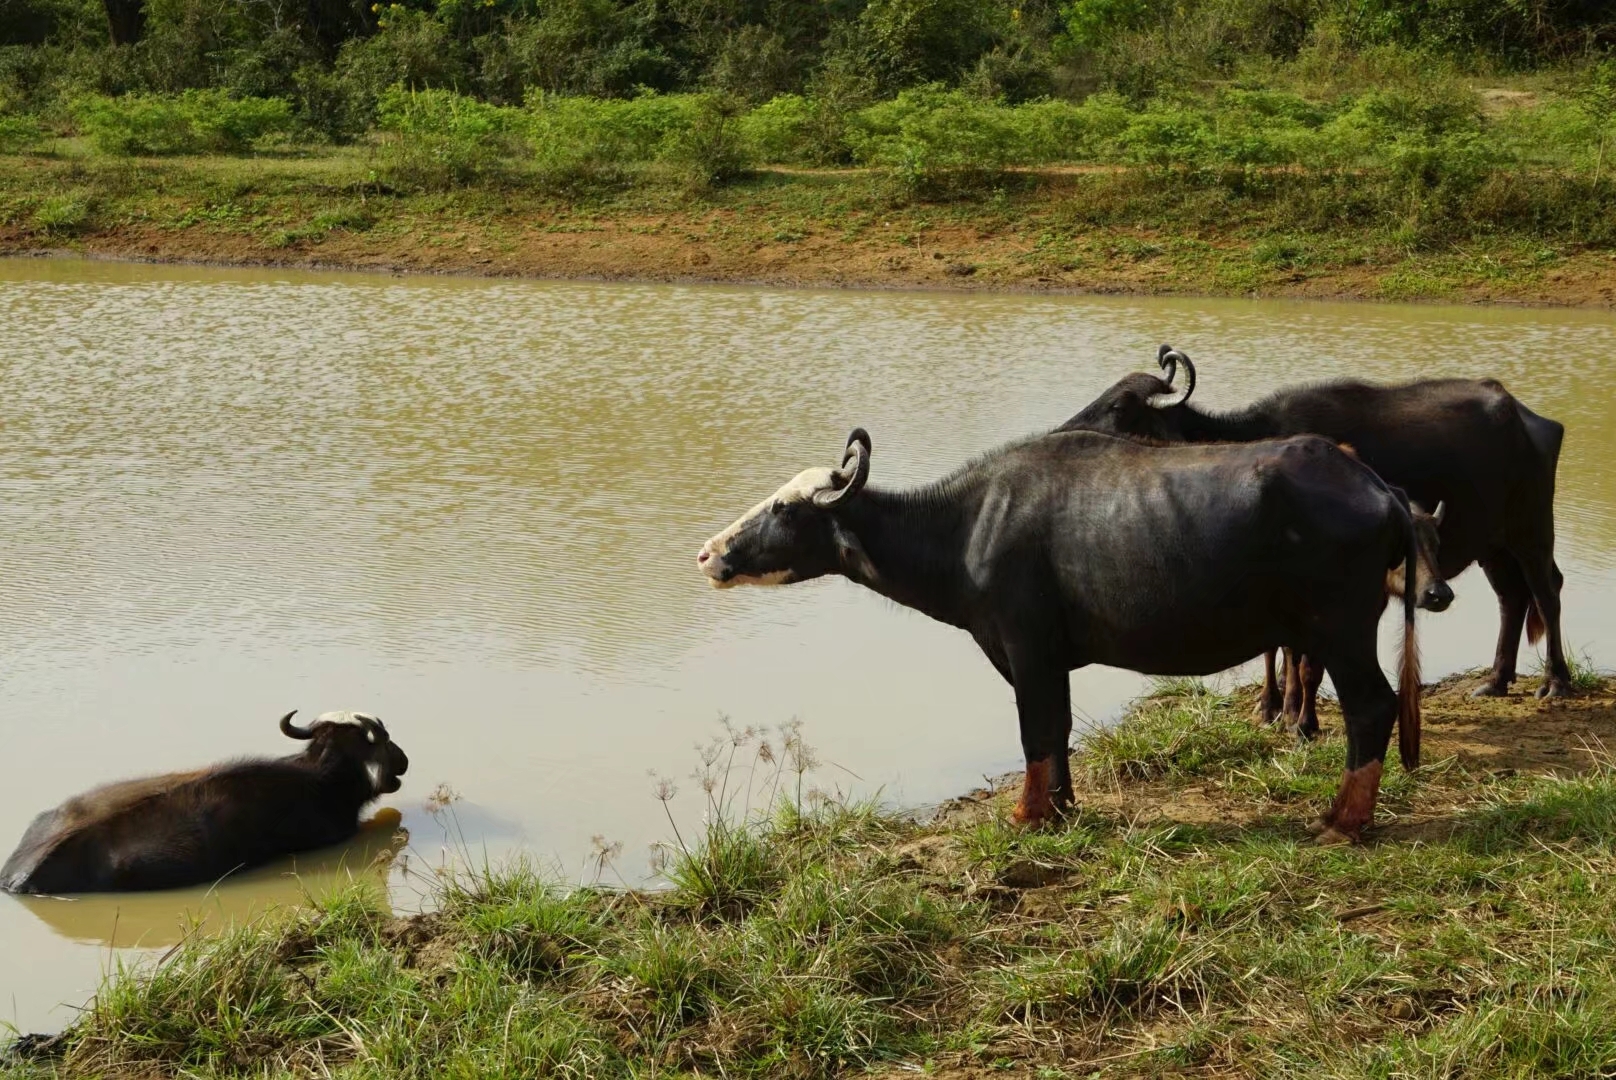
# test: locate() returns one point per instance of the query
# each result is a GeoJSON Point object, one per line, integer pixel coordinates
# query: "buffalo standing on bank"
{"type": "Point", "coordinates": [181, 829]}
{"type": "Point", "coordinates": [1466, 443]}
{"type": "Point", "coordinates": [1075, 548]}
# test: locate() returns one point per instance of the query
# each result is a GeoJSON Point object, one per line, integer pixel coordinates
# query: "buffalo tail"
{"type": "Point", "coordinates": [1534, 615]}
{"type": "Point", "coordinates": [1408, 682]}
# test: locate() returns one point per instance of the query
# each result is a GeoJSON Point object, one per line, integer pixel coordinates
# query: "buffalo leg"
{"type": "Point", "coordinates": [1272, 700]}
{"type": "Point", "coordinates": [1543, 579]}
{"type": "Point", "coordinates": [1062, 792]}
{"type": "Point", "coordinates": [1293, 689]}
{"type": "Point", "coordinates": [1504, 574]}
{"type": "Point", "coordinates": [1310, 673]}
{"type": "Point", "coordinates": [1044, 707]}
{"type": "Point", "coordinates": [1369, 705]}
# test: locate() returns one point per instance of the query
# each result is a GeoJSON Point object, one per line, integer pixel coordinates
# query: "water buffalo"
{"type": "Point", "coordinates": [1467, 443]}
{"type": "Point", "coordinates": [190, 828]}
{"type": "Point", "coordinates": [1295, 701]}
{"type": "Point", "coordinates": [1071, 549]}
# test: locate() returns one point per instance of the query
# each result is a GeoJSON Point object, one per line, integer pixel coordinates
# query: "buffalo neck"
{"type": "Point", "coordinates": [341, 780]}
{"type": "Point", "coordinates": [915, 541]}
{"type": "Point", "coordinates": [1241, 425]}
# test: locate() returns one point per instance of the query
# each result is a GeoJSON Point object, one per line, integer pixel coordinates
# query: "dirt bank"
{"type": "Point", "coordinates": [793, 229]}
{"type": "Point", "coordinates": [1508, 737]}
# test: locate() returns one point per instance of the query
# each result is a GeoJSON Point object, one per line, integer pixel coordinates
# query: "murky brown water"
{"type": "Point", "coordinates": [472, 507]}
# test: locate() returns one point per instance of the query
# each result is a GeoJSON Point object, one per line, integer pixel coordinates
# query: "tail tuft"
{"type": "Point", "coordinates": [1408, 682]}
{"type": "Point", "coordinates": [1408, 702]}
{"type": "Point", "coordinates": [1534, 624]}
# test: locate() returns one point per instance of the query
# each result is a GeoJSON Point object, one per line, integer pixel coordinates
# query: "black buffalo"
{"type": "Point", "coordinates": [1295, 700]}
{"type": "Point", "coordinates": [190, 828]}
{"type": "Point", "coordinates": [1073, 548]}
{"type": "Point", "coordinates": [1467, 443]}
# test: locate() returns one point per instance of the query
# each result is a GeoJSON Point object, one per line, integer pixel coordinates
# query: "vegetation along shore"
{"type": "Point", "coordinates": [1458, 149]}
{"type": "Point", "coordinates": [1180, 921]}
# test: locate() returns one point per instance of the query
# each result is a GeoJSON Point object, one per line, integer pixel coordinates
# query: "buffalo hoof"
{"type": "Point", "coordinates": [1035, 817]}
{"type": "Point", "coordinates": [1554, 687]}
{"type": "Point", "coordinates": [1325, 834]}
{"type": "Point", "coordinates": [1492, 688]}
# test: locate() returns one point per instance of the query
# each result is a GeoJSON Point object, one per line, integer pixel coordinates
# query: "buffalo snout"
{"type": "Point", "coordinates": [1436, 597]}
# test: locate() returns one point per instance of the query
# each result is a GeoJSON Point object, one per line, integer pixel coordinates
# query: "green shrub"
{"type": "Point", "coordinates": [193, 122]}
{"type": "Point", "coordinates": [332, 107]}
{"type": "Point", "coordinates": [440, 138]}
{"type": "Point", "coordinates": [909, 41]}
{"type": "Point", "coordinates": [18, 133]}
{"type": "Point", "coordinates": [581, 142]}
{"type": "Point", "coordinates": [712, 148]}
{"type": "Point", "coordinates": [1168, 136]}
{"type": "Point", "coordinates": [780, 131]}
{"type": "Point", "coordinates": [595, 47]}
{"type": "Point", "coordinates": [933, 139]}
{"type": "Point", "coordinates": [63, 215]}
{"type": "Point", "coordinates": [1061, 131]}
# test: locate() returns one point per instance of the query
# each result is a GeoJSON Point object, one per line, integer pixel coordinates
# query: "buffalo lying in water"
{"type": "Point", "coordinates": [1074, 548]}
{"type": "Point", "coordinates": [166, 832]}
{"type": "Point", "coordinates": [1467, 443]}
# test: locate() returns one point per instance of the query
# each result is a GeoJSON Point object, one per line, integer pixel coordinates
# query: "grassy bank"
{"type": "Point", "coordinates": [1382, 173]}
{"type": "Point", "coordinates": [1180, 922]}
{"type": "Point", "coordinates": [1099, 228]}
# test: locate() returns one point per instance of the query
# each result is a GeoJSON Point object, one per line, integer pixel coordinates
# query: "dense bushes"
{"type": "Point", "coordinates": [437, 139]}
{"type": "Point", "coordinates": [943, 96]}
{"type": "Point", "coordinates": [332, 59]}
{"type": "Point", "coordinates": [1431, 141]}
{"type": "Point", "coordinates": [196, 121]}
{"type": "Point", "coordinates": [441, 138]}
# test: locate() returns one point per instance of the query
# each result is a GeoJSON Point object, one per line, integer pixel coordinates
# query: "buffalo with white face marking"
{"type": "Point", "coordinates": [191, 828]}
{"type": "Point", "coordinates": [1466, 443]}
{"type": "Point", "coordinates": [1074, 548]}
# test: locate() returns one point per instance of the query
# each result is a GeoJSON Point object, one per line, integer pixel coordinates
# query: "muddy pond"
{"type": "Point", "coordinates": [473, 506]}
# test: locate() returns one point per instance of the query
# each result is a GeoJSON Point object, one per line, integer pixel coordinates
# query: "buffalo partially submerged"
{"type": "Point", "coordinates": [1074, 548]}
{"type": "Point", "coordinates": [190, 828]}
{"type": "Point", "coordinates": [1467, 443]}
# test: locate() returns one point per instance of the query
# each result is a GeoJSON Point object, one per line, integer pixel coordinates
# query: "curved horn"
{"type": "Point", "coordinates": [293, 731]}
{"type": "Point", "coordinates": [1170, 359]}
{"type": "Point", "coordinates": [1440, 512]}
{"type": "Point", "coordinates": [854, 472]}
{"type": "Point", "coordinates": [1167, 360]}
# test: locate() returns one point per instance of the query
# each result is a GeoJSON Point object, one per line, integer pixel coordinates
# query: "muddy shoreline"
{"type": "Point", "coordinates": [981, 267]}
{"type": "Point", "coordinates": [797, 230]}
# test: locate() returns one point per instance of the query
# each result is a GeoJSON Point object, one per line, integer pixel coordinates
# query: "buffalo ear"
{"type": "Point", "coordinates": [850, 554]}
{"type": "Point", "coordinates": [855, 470]}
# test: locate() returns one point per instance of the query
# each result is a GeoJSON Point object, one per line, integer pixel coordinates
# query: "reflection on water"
{"type": "Point", "coordinates": [158, 919]}
{"type": "Point", "coordinates": [472, 507]}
